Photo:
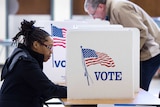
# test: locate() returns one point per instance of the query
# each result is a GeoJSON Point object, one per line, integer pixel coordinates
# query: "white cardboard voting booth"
{"type": "Point", "coordinates": [101, 64]}
{"type": "Point", "coordinates": [100, 37]}
{"type": "Point", "coordinates": [136, 45]}
{"type": "Point", "coordinates": [55, 67]}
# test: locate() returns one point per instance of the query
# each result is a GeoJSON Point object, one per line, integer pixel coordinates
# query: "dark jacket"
{"type": "Point", "coordinates": [25, 84]}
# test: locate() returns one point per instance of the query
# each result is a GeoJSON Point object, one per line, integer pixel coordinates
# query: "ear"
{"type": "Point", "coordinates": [101, 6]}
{"type": "Point", "coordinates": [36, 45]}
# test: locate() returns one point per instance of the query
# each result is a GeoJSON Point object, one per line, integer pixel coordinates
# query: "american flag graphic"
{"type": "Point", "coordinates": [59, 36]}
{"type": "Point", "coordinates": [92, 57]}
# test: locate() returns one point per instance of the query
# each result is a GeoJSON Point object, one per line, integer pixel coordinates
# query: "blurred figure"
{"type": "Point", "coordinates": [128, 14]}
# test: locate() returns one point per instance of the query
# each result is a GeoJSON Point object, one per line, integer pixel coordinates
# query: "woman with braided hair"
{"type": "Point", "coordinates": [24, 82]}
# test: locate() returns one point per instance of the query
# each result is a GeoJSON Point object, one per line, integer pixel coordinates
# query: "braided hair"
{"type": "Point", "coordinates": [29, 34]}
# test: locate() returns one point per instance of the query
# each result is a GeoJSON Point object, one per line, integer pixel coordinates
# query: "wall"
{"type": "Point", "coordinates": [78, 7]}
{"type": "Point", "coordinates": [3, 28]}
{"type": "Point", "coordinates": [150, 6]}
{"type": "Point", "coordinates": [44, 7]}
{"type": "Point", "coordinates": [34, 7]}
{"type": "Point", "coordinates": [3, 19]}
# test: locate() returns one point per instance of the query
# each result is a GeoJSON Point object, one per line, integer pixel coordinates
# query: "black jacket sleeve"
{"type": "Point", "coordinates": [35, 78]}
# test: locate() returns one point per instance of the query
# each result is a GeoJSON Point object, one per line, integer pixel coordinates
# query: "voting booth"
{"type": "Point", "coordinates": [102, 63]}
{"type": "Point", "coordinates": [95, 59]}
{"type": "Point", "coordinates": [55, 68]}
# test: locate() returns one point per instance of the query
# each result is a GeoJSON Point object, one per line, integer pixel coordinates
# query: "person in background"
{"type": "Point", "coordinates": [128, 14]}
{"type": "Point", "coordinates": [24, 82]}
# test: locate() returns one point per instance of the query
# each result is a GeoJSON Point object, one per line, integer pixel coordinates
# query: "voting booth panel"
{"type": "Point", "coordinates": [101, 58]}
{"type": "Point", "coordinates": [136, 57]}
{"type": "Point", "coordinates": [136, 44]}
{"type": "Point", "coordinates": [100, 64]}
{"type": "Point", "coordinates": [55, 67]}
{"type": "Point", "coordinates": [97, 27]}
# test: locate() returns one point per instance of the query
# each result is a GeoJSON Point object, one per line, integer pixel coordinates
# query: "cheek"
{"type": "Point", "coordinates": [47, 55]}
{"type": "Point", "coordinates": [40, 51]}
{"type": "Point", "coordinates": [101, 14]}
{"type": "Point", "coordinates": [45, 58]}
{"type": "Point", "coordinates": [98, 16]}
{"type": "Point", "coordinates": [104, 14]}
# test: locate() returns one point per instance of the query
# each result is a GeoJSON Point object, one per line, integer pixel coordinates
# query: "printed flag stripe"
{"type": "Point", "coordinates": [64, 31]}
{"type": "Point", "coordinates": [59, 42]}
{"type": "Point", "coordinates": [59, 36]}
{"type": "Point", "coordinates": [92, 57]}
{"type": "Point", "coordinates": [105, 60]}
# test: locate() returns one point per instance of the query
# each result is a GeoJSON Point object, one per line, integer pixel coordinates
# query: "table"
{"type": "Point", "coordinates": [141, 98]}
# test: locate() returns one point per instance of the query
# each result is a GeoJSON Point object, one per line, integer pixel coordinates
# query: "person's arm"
{"type": "Point", "coordinates": [35, 77]}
